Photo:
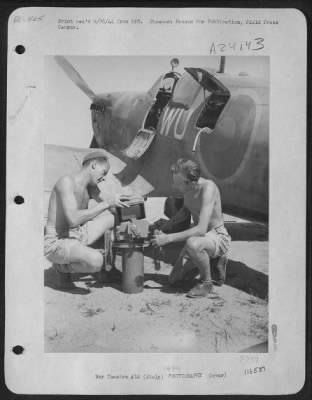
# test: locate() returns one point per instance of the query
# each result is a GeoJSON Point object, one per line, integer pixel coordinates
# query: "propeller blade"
{"type": "Point", "coordinates": [74, 76]}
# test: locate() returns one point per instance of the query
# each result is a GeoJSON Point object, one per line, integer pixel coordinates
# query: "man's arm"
{"type": "Point", "coordinates": [208, 199]}
{"type": "Point", "coordinates": [65, 191]}
{"type": "Point", "coordinates": [96, 194]}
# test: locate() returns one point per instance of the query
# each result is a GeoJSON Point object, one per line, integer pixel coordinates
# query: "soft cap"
{"type": "Point", "coordinates": [99, 153]}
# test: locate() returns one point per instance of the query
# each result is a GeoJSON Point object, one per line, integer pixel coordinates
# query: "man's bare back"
{"type": "Point", "coordinates": [56, 215]}
{"type": "Point", "coordinates": [193, 201]}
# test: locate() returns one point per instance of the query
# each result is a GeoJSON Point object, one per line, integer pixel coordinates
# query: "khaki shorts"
{"type": "Point", "coordinates": [222, 240]}
{"type": "Point", "coordinates": [57, 246]}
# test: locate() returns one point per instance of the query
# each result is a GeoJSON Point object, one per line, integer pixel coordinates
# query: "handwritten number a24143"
{"type": "Point", "coordinates": [253, 45]}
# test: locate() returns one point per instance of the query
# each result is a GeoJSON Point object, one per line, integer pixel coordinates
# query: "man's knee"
{"type": "Point", "coordinates": [196, 245]}
{"type": "Point", "coordinates": [95, 261]}
{"type": "Point", "coordinates": [193, 245]}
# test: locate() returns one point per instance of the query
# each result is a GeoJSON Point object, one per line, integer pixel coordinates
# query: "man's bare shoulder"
{"type": "Point", "coordinates": [209, 191]}
{"type": "Point", "coordinates": [208, 185]}
{"type": "Point", "coordinates": [66, 182]}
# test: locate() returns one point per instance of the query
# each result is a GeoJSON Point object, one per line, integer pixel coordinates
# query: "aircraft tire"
{"type": "Point", "coordinates": [171, 208]}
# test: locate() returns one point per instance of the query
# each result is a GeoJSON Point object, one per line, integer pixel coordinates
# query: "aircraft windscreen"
{"type": "Point", "coordinates": [168, 84]}
{"type": "Point", "coordinates": [153, 90]}
{"type": "Point", "coordinates": [186, 90]}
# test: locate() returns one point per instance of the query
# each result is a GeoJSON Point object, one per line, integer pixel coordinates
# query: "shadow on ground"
{"type": "Point", "coordinates": [239, 275]}
{"type": "Point", "coordinates": [162, 280]}
{"type": "Point", "coordinates": [247, 231]}
{"type": "Point", "coordinates": [50, 281]}
{"type": "Point", "coordinates": [89, 280]}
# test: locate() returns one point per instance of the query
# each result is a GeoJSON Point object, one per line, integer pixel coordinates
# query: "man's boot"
{"type": "Point", "coordinates": [63, 280]}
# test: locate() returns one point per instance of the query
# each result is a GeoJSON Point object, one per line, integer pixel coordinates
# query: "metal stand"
{"type": "Point", "coordinates": [132, 264]}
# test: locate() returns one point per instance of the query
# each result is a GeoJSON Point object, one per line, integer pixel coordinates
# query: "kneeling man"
{"type": "Point", "coordinates": [72, 226]}
{"type": "Point", "coordinates": [208, 237]}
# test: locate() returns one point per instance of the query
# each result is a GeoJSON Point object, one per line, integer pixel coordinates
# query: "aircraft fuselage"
{"type": "Point", "coordinates": [226, 133]}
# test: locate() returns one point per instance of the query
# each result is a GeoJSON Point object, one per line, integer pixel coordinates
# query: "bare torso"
{"type": "Point", "coordinates": [193, 202]}
{"type": "Point", "coordinates": [56, 216]}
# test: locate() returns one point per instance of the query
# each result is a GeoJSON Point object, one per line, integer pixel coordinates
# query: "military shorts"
{"type": "Point", "coordinates": [222, 240]}
{"type": "Point", "coordinates": [57, 246]}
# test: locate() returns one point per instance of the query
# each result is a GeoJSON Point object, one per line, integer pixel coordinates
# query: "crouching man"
{"type": "Point", "coordinates": [207, 237]}
{"type": "Point", "coordinates": [72, 226]}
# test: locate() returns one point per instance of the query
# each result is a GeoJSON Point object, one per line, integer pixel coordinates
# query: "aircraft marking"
{"type": "Point", "coordinates": [167, 120]}
{"type": "Point", "coordinates": [172, 117]}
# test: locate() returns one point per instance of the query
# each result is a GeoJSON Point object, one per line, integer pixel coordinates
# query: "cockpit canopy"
{"type": "Point", "coordinates": [168, 83]}
{"type": "Point", "coordinates": [214, 94]}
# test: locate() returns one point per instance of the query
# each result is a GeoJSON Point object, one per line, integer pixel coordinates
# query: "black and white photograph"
{"type": "Point", "coordinates": [181, 265]}
{"type": "Point", "coordinates": [156, 201]}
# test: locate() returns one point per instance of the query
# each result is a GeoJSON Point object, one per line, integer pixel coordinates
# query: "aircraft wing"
{"type": "Point", "coordinates": [62, 160]}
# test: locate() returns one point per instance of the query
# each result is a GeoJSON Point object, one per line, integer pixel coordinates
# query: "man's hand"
{"type": "Point", "coordinates": [118, 200]}
{"type": "Point", "coordinates": [160, 224]}
{"type": "Point", "coordinates": [160, 239]}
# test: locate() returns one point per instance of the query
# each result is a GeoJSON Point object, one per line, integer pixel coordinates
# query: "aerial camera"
{"type": "Point", "coordinates": [131, 224]}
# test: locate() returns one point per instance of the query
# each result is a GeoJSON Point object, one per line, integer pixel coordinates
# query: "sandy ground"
{"type": "Point", "coordinates": [99, 317]}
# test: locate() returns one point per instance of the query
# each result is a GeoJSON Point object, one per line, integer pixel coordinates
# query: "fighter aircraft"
{"type": "Point", "coordinates": [218, 119]}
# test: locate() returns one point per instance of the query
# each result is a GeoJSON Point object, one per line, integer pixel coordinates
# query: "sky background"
{"type": "Point", "coordinates": [67, 118]}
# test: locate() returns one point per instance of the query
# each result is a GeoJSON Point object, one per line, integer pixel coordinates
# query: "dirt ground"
{"type": "Point", "coordinates": [99, 317]}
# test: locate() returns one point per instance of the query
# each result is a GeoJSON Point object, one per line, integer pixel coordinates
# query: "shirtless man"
{"type": "Point", "coordinates": [207, 237]}
{"type": "Point", "coordinates": [72, 226]}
